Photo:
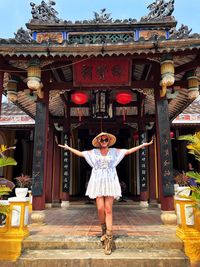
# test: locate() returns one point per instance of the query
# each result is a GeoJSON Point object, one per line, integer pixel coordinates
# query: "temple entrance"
{"type": "Point", "coordinates": [127, 169]}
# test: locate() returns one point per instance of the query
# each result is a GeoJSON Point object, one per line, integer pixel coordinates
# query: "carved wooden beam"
{"type": "Point", "coordinates": [188, 66]}
{"type": "Point", "coordinates": [118, 119]}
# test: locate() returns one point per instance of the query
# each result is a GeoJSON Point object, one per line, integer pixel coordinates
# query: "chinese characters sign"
{"type": "Point", "coordinates": [143, 164]}
{"type": "Point", "coordinates": [102, 72]}
{"type": "Point", "coordinates": [39, 146]}
{"type": "Point", "coordinates": [165, 149]}
{"type": "Point", "coordinates": [66, 167]}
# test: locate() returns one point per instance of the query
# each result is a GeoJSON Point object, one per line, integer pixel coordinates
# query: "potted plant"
{"type": "Point", "coordinates": [182, 182]}
{"type": "Point", "coordinates": [5, 185]}
{"type": "Point", "coordinates": [24, 182]}
{"type": "Point", "coordinates": [194, 149]}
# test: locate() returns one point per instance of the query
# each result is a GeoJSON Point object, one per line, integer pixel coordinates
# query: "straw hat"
{"type": "Point", "coordinates": [111, 137]}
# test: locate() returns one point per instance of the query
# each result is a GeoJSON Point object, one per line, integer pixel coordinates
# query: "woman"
{"type": "Point", "coordinates": [104, 183]}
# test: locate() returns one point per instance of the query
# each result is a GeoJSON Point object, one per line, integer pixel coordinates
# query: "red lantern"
{"type": "Point", "coordinates": [79, 98]}
{"type": "Point", "coordinates": [171, 135]}
{"type": "Point", "coordinates": [124, 97]}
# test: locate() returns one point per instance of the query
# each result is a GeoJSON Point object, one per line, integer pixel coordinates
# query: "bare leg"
{"type": "Point", "coordinates": [109, 222]}
{"type": "Point", "coordinates": [108, 212]}
{"type": "Point", "coordinates": [101, 209]}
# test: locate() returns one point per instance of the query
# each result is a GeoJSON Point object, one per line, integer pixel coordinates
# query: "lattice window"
{"type": "Point", "coordinates": [98, 38]}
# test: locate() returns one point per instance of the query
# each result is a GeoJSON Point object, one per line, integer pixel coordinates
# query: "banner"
{"type": "Point", "coordinates": [102, 72]}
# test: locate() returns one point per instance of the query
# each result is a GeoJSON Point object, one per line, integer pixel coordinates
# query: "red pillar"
{"type": "Point", "coordinates": [1, 87]}
{"type": "Point", "coordinates": [66, 154]}
{"type": "Point", "coordinates": [56, 175]}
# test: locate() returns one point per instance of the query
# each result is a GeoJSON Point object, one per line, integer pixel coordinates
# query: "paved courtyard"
{"type": "Point", "coordinates": [80, 219]}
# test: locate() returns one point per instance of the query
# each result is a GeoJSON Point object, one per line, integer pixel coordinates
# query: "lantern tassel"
{"type": "Point", "coordinates": [124, 115]}
{"type": "Point", "coordinates": [80, 114]}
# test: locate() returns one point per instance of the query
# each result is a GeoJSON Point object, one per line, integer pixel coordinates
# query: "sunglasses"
{"type": "Point", "coordinates": [103, 140]}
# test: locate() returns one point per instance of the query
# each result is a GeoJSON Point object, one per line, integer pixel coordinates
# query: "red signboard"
{"type": "Point", "coordinates": [102, 72]}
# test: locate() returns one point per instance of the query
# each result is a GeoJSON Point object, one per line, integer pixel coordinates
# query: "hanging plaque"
{"type": "Point", "coordinates": [165, 149]}
{"type": "Point", "coordinates": [39, 146]}
{"type": "Point", "coordinates": [102, 72]}
{"type": "Point", "coordinates": [66, 167]}
{"type": "Point", "coordinates": [143, 164]}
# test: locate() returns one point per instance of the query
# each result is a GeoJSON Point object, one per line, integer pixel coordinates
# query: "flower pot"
{"type": "Point", "coordinates": [182, 191]}
{"type": "Point", "coordinates": [21, 192]}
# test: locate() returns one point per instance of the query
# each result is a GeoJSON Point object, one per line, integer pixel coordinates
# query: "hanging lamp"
{"type": "Point", "coordinates": [11, 90]}
{"type": "Point", "coordinates": [167, 72]}
{"type": "Point", "coordinates": [79, 98]}
{"type": "Point", "coordinates": [34, 75]}
{"type": "Point", "coordinates": [124, 97]}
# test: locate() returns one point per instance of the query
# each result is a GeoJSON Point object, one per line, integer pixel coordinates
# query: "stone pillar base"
{"type": "Point", "coordinates": [38, 217]}
{"type": "Point", "coordinates": [153, 203]}
{"type": "Point", "coordinates": [48, 205]}
{"type": "Point", "coordinates": [65, 204]}
{"type": "Point", "coordinates": [144, 204]}
{"type": "Point", "coordinates": [168, 217]}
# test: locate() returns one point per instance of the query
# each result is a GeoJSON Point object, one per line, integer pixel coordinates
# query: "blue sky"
{"type": "Point", "coordinates": [15, 13]}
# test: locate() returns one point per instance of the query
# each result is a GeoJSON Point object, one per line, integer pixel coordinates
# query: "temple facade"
{"type": "Point", "coordinates": [76, 79]}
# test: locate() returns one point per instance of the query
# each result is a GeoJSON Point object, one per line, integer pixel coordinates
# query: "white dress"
{"type": "Point", "coordinates": [104, 180]}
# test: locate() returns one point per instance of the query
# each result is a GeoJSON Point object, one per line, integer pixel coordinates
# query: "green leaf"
{"type": "Point", "coordinates": [194, 175]}
{"type": "Point", "coordinates": [4, 190]}
{"type": "Point", "coordinates": [6, 161]}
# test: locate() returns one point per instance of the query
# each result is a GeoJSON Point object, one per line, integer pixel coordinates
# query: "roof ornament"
{"type": "Point", "coordinates": [182, 32]}
{"type": "Point", "coordinates": [159, 9]}
{"type": "Point", "coordinates": [102, 17]}
{"type": "Point", "coordinates": [45, 12]}
{"type": "Point", "coordinates": [23, 36]}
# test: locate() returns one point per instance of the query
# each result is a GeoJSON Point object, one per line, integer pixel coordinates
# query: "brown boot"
{"type": "Point", "coordinates": [103, 233]}
{"type": "Point", "coordinates": [108, 242]}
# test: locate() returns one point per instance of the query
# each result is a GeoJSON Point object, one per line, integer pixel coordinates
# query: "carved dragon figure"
{"type": "Point", "coordinates": [45, 12]}
{"type": "Point", "coordinates": [159, 9]}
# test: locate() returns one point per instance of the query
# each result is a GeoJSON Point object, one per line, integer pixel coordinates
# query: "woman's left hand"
{"type": "Point", "coordinates": [148, 144]}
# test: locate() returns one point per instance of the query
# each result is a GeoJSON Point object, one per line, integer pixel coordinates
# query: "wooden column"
{"type": "Point", "coordinates": [40, 151]}
{"type": "Point", "coordinates": [50, 160]}
{"type": "Point", "coordinates": [66, 170]}
{"type": "Point", "coordinates": [1, 87]}
{"type": "Point", "coordinates": [152, 174]}
{"type": "Point", "coordinates": [142, 154]}
{"type": "Point", "coordinates": [56, 175]}
{"type": "Point", "coordinates": [166, 183]}
{"type": "Point", "coordinates": [66, 157]}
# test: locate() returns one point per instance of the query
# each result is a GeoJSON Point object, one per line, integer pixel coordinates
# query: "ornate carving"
{"type": "Point", "coordinates": [182, 32]}
{"type": "Point", "coordinates": [45, 12]}
{"type": "Point", "coordinates": [101, 38]}
{"type": "Point", "coordinates": [159, 9]}
{"type": "Point", "coordinates": [23, 36]}
{"type": "Point", "coordinates": [102, 17]}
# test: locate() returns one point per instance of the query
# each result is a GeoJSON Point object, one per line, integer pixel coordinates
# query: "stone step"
{"type": "Point", "coordinates": [90, 242]}
{"type": "Point", "coordinates": [97, 258]}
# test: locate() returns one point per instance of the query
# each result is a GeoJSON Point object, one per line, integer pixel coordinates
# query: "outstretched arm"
{"type": "Point", "coordinates": [73, 150]}
{"type": "Point", "coordinates": [136, 148]}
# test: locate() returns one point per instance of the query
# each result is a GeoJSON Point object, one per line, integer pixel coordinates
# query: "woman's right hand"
{"type": "Point", "coordinates": [73, 150]}
{"type": "Point", "coordinates": [65, 146]}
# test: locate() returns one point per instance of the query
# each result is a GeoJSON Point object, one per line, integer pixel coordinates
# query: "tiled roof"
{"type": "Point", "coordinates": [191, 115]}
{"type": "Point", "coordinates": [11, 115]}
